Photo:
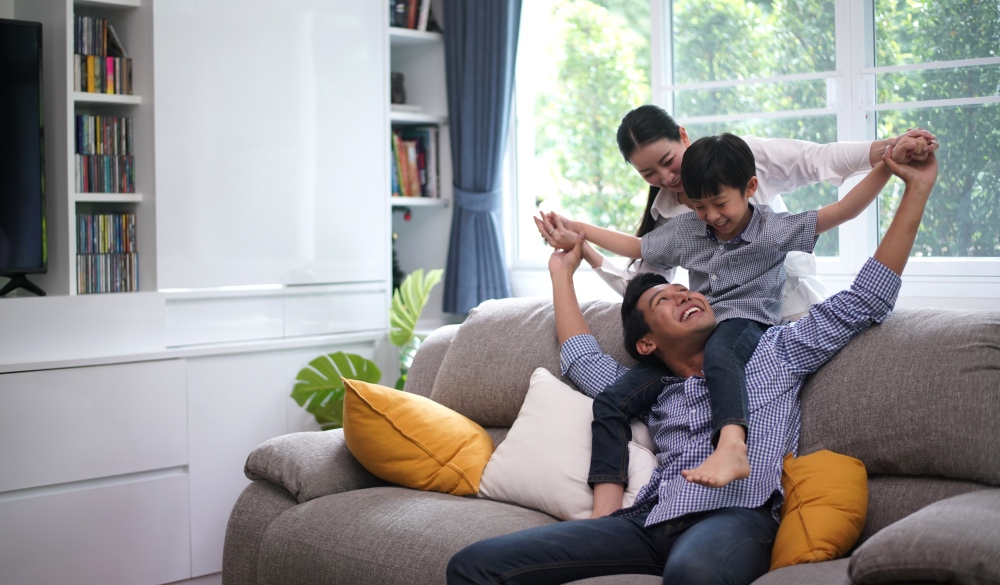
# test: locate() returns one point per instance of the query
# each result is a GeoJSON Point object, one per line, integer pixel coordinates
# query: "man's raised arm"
{"type": "Point", "coordinates": [919, 177]}
{"type": "Point", "coordinates": [569, 317]}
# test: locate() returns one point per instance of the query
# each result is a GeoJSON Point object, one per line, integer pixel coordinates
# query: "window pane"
{"type": "Point", "coordinates": [821, 130]}
{"type": "Point", "coordinates": [714, 40]}
{"type": "Point", "coordinates": [582, 65]}
{"type": "Point", "coordinates": [963, 215]}
{"type": "Point", "coordinates": [754, 97]}
{"type": "Point", "coordinates": [921, 31]}
{"type": "Point", "coordinates": [958, 82]}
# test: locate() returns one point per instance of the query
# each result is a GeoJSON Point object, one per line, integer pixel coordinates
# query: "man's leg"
{"type": "Point", "coordinates": [731, 545]}
{"type": "Point", "coordinates": [562, 552]}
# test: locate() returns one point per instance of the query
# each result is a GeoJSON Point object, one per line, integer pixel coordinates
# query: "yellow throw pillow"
{"type": "Point", "coordinates": [413, 441]}
{"type": "Point", "coordinates": [826, 503]}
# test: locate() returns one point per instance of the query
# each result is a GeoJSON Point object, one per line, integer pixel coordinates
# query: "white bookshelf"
{"type": "Point", "coordinates": [423, 240]}
{"type": "Point", "coordinates": [133, 21]}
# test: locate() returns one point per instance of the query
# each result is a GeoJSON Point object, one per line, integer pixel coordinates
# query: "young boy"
{"type": "Point", "coordinates": [735, 254]}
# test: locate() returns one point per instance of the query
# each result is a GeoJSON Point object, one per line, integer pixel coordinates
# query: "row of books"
{"type": "Point", "coordinates": [415, 170]}
{"type": "Point", "coordinates": [105, 233]}
{"type": "Point", "coordinates": [106, 273]}
{"type": "Point", "coordinates": [96, 36]}
{"type": "Point", "coordinates": [103, 134]}
{"type": "Point", "coordinates": [414, 14]}
{"type": "Point", "coordinates": [93, 74]}
{"type": "Point", "coordinates": [105, 173]}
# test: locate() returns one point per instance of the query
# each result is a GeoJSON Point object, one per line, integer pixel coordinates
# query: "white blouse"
{"type": "Point", "coordinates": [782, 165]}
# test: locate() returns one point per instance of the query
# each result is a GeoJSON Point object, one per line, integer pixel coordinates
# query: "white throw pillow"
{"type": "Point", "coordinates": [544, 461]}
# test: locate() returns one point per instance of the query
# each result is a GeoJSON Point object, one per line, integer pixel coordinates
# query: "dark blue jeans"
{"type": "Point", "coordinates": [726, 355]}
{"type": "Point", "coordinates": [731, 545]}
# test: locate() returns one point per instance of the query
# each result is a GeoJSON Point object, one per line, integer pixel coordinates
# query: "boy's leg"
{"type": "Point", "coordinates": [731, 545]}
{"type": "Point", "coordinates": [562, 552]}
{"type": "Point", "coordinates": [726, 355]}
{"type": "Point", "coordinates": [630, 395]}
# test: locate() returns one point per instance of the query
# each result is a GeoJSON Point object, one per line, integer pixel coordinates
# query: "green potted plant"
{"type": "Point", "coordinates": [319, 387]}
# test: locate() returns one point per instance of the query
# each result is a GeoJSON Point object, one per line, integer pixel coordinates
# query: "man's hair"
{"type": "Point", "coordinates": [634, 324]}
{"type": "Point", "coordinates": [714, 162]}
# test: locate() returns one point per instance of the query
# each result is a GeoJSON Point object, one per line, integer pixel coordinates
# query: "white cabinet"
{"type": "Point", "coordinates": [270, 120]}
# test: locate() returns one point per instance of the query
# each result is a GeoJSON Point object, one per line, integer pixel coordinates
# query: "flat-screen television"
{"type": "Point", "coordinates": [23, 247]}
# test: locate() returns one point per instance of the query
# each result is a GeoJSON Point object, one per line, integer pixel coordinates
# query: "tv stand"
{"type": "Point", "coordinates": [21, 281]}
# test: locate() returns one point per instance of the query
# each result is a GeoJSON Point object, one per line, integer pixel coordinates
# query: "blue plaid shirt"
{"type": "Point", "coordinates": [743, 277]}
{"type": "Point", "coordinates": [681, 419]}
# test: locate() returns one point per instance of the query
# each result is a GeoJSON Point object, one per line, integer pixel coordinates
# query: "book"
{"type": "Point", "coordinates": [117, 47]}
{"type": "Point", "coordinates": [425, 9]}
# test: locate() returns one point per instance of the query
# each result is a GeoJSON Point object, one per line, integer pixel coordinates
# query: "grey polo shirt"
{"type": "Point", "coordinates": [744, 277]}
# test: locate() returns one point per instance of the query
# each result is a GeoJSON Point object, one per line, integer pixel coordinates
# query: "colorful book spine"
{"type": "Point", "coordinates": [107, 257]}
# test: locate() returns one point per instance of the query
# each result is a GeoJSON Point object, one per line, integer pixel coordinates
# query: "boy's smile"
{"type": "Point", "coordinates": [728, 212]}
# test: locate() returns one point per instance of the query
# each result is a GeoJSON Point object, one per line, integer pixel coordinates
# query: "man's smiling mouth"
{"type": "Point", "coordinates": [689, 312]}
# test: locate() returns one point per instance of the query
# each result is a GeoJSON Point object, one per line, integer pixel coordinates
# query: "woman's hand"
{"type": "Point", "coordinates": [556, 230]}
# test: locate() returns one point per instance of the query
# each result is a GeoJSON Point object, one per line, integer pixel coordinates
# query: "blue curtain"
{"type": "Point", "coordinates": [480, 42]}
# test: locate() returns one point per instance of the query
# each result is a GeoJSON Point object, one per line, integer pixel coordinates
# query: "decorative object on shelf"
{"type": "Point", "coordinates": [407, 303]}
{"type": "Point", "coordinates": [398, 95]}
{"type": "Point", "coordinates": [319, 387]}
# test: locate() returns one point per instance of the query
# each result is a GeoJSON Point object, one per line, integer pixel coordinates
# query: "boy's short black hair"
{"type": "Point", "coordinates": [634, 324]}
{"type": "Point", "coordinates": [714, 162]}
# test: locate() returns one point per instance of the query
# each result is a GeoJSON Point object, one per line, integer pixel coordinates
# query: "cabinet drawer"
{"type": "Point", "coordinates": [58, 426]}
{"type": "Point", "coordinates": [128, 533]}
{"type": "Point", "coordinates": [336, 313]}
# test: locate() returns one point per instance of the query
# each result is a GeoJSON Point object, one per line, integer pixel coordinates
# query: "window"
{"type": "Point", "coordinates": [817, 70]}
{"type": "Point", "coordinates": [582, 64]}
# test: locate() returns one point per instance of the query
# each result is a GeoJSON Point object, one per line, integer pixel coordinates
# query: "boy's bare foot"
{"type": "Point", "coordinates": [726, 464]}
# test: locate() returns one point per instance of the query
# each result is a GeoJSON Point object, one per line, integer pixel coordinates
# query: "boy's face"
{"type": "Point", "coordinates": [728, 212]}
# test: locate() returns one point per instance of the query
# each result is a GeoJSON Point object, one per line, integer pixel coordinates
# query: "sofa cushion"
{"type": "Point", "coordinates": [389, 536]}
{"type": "Point", "coordinates": [892, 498]}
{"type": "Point", "coordinates": [553, 479]}
{"type": "Point", "coordinates": [905, 397]}
{"type": "Point", "coordinates": [826, 500]}
{"type": "Point", "coordinates": [487, 368]}
{"type": "Point", "coordinates": [413, 441]}
{"type": "Point", "coordinates": [952, 541]}
{"type": "Point", "coordinates": [825, 573]}
{"type": "Point", "coordinates": [309, 465]}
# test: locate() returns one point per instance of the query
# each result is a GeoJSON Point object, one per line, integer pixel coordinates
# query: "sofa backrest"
{"type": "Point", "coordinates": [915, 397]}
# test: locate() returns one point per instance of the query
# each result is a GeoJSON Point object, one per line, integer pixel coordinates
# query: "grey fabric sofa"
{"type": "Point", "coordinates": [917, 399]}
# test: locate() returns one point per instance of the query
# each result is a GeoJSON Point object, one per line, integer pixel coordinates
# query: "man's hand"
{"type": "Point", "coordinates": [894, 249]}
{"type": "Point", "coordinates": [915, 171]}
{"type": "Point", "coordinates": [567, 261]}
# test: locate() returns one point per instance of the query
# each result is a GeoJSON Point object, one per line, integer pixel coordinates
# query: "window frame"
{"type": "Point", "coordinates": [853, 93]}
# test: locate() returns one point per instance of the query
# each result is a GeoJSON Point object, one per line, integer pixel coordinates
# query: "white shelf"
{"type": "Point", "coordinates": [107, 197]}
{"type": "Point", "coordinates": [406, 37]}
{"type": "Point", "coordinates": [415, 118]}
{"type": "Point", "coordinates": [108, 3]}
{"type": "Point", "coordinates": [418, 202]}
{"type": "Point", "coordinates": [86, 97]}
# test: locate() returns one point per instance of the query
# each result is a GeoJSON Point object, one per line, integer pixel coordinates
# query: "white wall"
{"type": "Point", "coordinates": [6, 8]}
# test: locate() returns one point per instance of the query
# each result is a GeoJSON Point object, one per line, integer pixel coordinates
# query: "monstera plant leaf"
{"type": "Point", "coordinates": [408, 302]}
{"type": "Point", "coordinates": [319, 387]}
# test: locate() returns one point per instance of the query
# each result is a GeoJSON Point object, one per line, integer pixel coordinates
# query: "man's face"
{"type": "Point", "coordinates": [675, 314]}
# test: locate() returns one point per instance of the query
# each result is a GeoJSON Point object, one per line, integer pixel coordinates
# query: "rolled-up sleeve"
{"type": "Point", "coordinates": [583, 362]}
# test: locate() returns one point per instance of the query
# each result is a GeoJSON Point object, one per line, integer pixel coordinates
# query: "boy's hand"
{"type": "Point", "coordinates": [915, 144]}
{"type": "Point", "coordinates": [915, 172]}
{"type": "Point", "coordinates": [555, 231]}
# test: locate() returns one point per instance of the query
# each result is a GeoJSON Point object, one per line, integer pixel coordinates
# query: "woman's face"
{"type": "Point", "coordinates": [659, 162]}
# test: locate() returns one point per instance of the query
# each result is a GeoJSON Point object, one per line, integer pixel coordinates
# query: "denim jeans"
{"type": "Point", "coordinates": [730, 545]}
{"type": "Point", "coordinates": [726, 355]}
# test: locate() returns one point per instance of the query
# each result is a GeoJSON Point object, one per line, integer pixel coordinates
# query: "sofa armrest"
{"type": "Point", "coordinates": [309, 465]}
{"type": "Point", "coordinates": [424, 369]}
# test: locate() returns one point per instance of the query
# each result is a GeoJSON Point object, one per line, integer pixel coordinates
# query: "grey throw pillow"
{"type": "Point", "coordinates": [956, 540]}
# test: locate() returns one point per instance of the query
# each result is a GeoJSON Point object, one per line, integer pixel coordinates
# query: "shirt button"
{"type": "Point", "coordinates": [714, 277]}
{"type": "Point", "coordinates": [721, 247]}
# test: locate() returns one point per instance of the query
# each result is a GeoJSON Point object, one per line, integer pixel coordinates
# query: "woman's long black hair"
{"type": "Point", "coordinates": [641, 126]}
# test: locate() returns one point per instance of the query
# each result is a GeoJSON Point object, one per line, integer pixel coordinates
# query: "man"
{"type": "Point", "coordinates": [686, 532]}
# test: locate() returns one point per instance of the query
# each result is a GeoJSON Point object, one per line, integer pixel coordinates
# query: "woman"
{"type": "Point", "coordinates": [654, 144]}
